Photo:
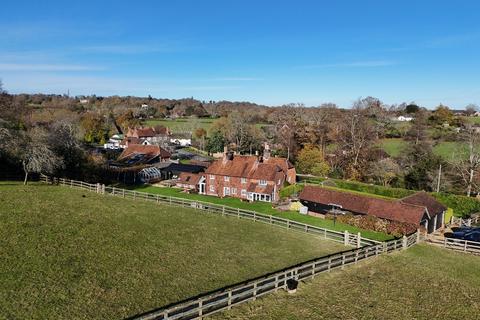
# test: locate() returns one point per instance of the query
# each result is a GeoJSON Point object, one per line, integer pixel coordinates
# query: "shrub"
{"type": "Point", "coordinates": [462, 206]}
{"type": "Point", "coordinates": [290, 190]}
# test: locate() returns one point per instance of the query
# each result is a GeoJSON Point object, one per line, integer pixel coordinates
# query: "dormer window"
{"type": "Point", "coordinates": [262, 182]}
{"type": "Point", "coordinates": [212, 177]}
{"type": "Point", "coordinates": [226, 178]}
{"type": "Point", "coordinates": [244, 180]}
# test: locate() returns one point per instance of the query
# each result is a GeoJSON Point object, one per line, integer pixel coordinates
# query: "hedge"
{"type": "Point", "coordinates": [462, 205]}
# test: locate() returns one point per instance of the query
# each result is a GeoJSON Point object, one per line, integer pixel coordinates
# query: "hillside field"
{"type": "Point", "coordinates": [71, 254]}
{"type": "Point", "coordinates": [423, 282]}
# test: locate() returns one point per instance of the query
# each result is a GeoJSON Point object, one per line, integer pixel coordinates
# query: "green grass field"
{"type": "Point", "coordinates": [266, 208]}
{"type": "Point", "coordinates": [187, 124]}
{"type": "Point", "coordinates": [71, 254]}
{"type": "Point", "coordinates": [446, 149]}
{"type": "Point", "coordinates": [472, 120]}
{"type": "Point", "coordinates": [423, 282]}
{"type": "Point", "coordinates": [393, 146]}
{"type": "Point", "coordinates": [178, 125]}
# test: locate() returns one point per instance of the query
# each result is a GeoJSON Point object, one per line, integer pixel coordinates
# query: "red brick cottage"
{"type": "Point", "coordinates": [254, 178]}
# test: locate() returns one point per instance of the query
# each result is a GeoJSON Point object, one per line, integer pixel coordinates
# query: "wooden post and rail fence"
{"type": "Point", "coordinates": [346, 238]}
{"type": "Point", "coordinates": [225, 298]}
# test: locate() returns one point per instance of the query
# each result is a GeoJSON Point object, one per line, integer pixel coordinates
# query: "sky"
{"type": "Point", "coordinates": [267, 52]}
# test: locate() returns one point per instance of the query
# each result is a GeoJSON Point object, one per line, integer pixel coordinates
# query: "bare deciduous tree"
{"type": "Point", "coordinates": [35, 153]}
{"type": "Point", "coordinates": [470, 165]}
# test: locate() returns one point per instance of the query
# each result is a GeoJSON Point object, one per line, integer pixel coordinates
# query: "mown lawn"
{"type": "Point", "coordinates": [423, 282]}
{"type": "Point", "coordinates": [266, 208]}
{"type": "Point", "coordinates": [71, 254]}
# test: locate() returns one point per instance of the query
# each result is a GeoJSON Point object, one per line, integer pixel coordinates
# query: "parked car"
{"type": "Point", "coordinates": [472, 236]}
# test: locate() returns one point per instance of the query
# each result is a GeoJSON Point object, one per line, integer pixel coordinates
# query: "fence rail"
{"type": "Point", "coordinates": [225, 298]}
{"type": "Point", "coordinates": [464, 222]}
{"type": "Point", "coordinates": [472, 247]}
{"type": "Point", "coordinates": [346, 238]}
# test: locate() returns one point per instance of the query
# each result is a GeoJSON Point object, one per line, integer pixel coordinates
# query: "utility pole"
{"type": "Point", "coordinates": [439, 177]}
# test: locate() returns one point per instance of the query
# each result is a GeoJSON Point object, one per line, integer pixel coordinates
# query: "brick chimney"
{"type": "Point", "coordinates": [266, 152]}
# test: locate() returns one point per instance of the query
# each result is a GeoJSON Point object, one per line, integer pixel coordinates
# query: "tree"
{"type": "Point", "coordinates": [468, 167]}
{"type": "Point", "coordinates": [420, 165]}
{"type": "Point", "coordinates": [215, 142]}
{"type": "Point", "coordinates": [442, 114]}
{"type": "Point", "coordinates": [1, 87]}
{"type": "Point", "coordinates": [418, 130]}
{"type": "Point", "coordinates": [384, 171]}
{"type": "Point", "coordinates": [356, 137]}
{"type": "Point", "coordinates": [412, 108]}
{"type": "Point", "coordinates": [471, 109]}
{"type": "Point", "coordinates": [310, 160]}
{"type": "Point", "coordinates": [36, 155]}
{"type": "Point", "coordinates": [200, 134]}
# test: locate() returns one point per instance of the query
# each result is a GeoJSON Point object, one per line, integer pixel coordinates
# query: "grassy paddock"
{"type": "Point", "coordinates": [72, 254]}
{"type": "Point", "coordinates": [266, 208]}
{"type": "Point", "coordinates": [423, 282]}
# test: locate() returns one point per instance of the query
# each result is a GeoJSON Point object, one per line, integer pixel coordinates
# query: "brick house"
{"type": "Point", "coordinates": [254, 178]}
{"type": "Point", "coordinates": [152, 135]}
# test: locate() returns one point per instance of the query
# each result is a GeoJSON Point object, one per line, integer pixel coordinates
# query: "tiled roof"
{"type": "Point", "coordinates": [189, 178]}
{"type": "Point", "coordinates": [143, 153]}
{"type": "Point", "coordinates": [393, 210]}
{"type": "Point", "coordinates": [254, 187]}
{"type": "Point", "coordinates": [245, 167]}
{"type": "Point", "coordinates": [424, 199]}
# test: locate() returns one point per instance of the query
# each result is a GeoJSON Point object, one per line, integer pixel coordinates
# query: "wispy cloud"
{"type": "Point", "coordinates": [236, 79]}
{"type": "Point", "coordinates": [129, 48]}
{"type": "Point", "coordinates": [355, 64]}
{"type": "Point", "coordinates": [46, 67]}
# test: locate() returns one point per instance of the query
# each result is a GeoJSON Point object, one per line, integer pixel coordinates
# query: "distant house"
{"type": "Point", "coordinates": [156, 135]}
{"type": "Point", "coordinates": [254, 178]}
{"type": "Point", "coordinates": [419, 210]}
{"type": "Point", "coordinates": [114, 142]}
{"type": "Point", "coordinates": [138, 154]}
{"type": "Point", "coordinates": [183, 140]}
{"type": "Point", "coordinates": [404, 118]}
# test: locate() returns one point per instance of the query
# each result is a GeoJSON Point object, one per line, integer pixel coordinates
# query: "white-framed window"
{"type": "Point", "coordinates": [212, 188]}
{"type": "Point", "coordinates": [244, 193]}
{"type": "Point", "coordinates": [244, 180]}
{"type": "Point", "coordinates": [226, 178]}
{"type": "Point", "coordinates": [212, 177]}
{"type": "Point", "coordinates": [279, 181]}
{"type": "Point", "coordinates": [262, 182]}
{"type": "Point", "coordinates": [226, 191]}
{"type": "Point", "coordinates": [234, 190]}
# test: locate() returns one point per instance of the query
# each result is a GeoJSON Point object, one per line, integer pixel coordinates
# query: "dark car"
{"type": "Point", "coordinates": [472, 236]}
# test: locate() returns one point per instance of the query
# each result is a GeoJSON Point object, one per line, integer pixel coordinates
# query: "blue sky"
{"type": "Point", "coordinates": [270, 52]}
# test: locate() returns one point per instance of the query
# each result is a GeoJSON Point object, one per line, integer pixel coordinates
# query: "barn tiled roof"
{"type": "Point", "coordinates": [246, 167]}
{"type": "Point", "coordinates": [393, 210]}
{"type": "Point", "coordinates": [143, 153]}
{"type": "Point", "coordinates": [189, 178]}
{"type": "Point", "coordinates": [424, 199]}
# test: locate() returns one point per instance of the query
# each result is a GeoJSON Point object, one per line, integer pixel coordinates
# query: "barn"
{"type": "Point", "coordinates": [420, 209]}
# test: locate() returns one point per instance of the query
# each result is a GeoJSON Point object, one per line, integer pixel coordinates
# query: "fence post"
{"type": "Point", "coordinates": [223, 210]}
{"type": "Point", "coordinates": [404, 242]}
{"type": "Point", "coordinates": [343, 259]}
{"type": "Point", "coordinates": [123, 193]}
{"type": "Point", "coordinates": [113, 190]}
{"type": "Point", "coordinates": [230, 299]}
{"type": "Point", "coordinates": [418, 236]}
{"type": "Point", "coordinates": [359, 240]}
{"type": "Point", "coordinates": [255, 291]}
{"type": "Point", "coordinates": [329, 263]}
{"type": "Point", "coordinates": [288, 224]}
{"type": "Point", "coordinates": [71, 183]}
{"type": "Point", "coordinates": [345, 238]}
{"type": "Point", "coordinates": [200, 307]}
{"type": "Point", "coordinates": [103, 189]}
{"type": "Point", "coordinates": [134, 195]}
{"type": "Point", "coordinates": [98, 187]}
{"type": "Point", "coordinates": [158, 199]}
{"type": "Point", "coordinates": [238, 213]}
